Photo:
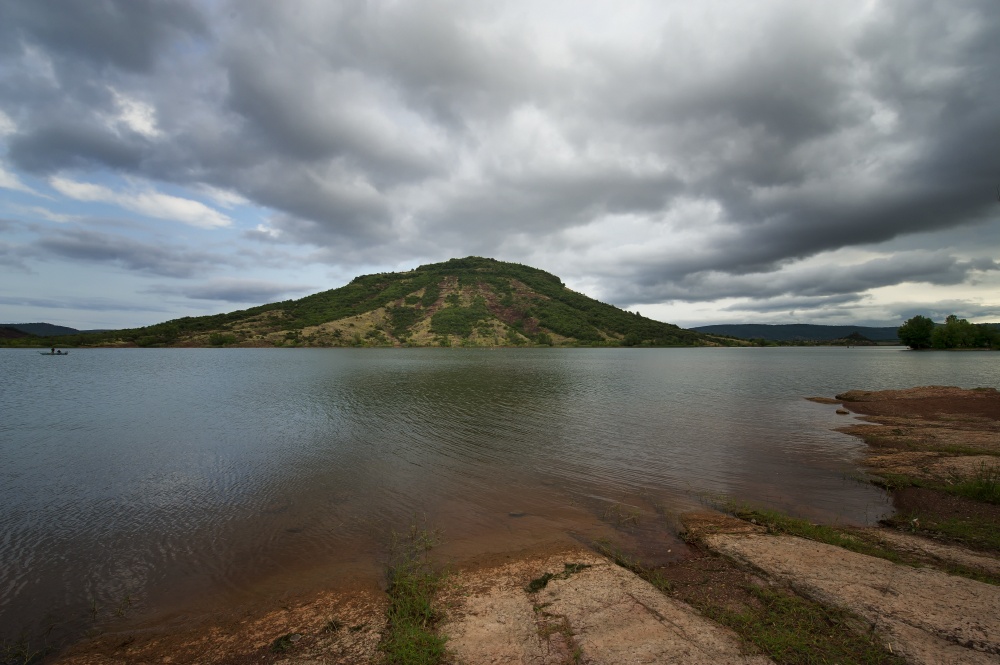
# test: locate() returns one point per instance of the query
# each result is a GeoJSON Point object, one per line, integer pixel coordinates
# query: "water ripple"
{"type": "Point", "coordinates": [155, 474]}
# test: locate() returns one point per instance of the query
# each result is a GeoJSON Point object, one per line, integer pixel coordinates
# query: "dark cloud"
{"type": "Point", "coordinates": [12, 256]}
{"type": "Point", "coordinates": [236, 290]}
{"type": "Point", "coordinates": [323, 210]}
{"type": "Point", "coordinates": [815, 280]}
{"type": "Point", "coordinates": [129, 35]}
{"type": "Point", "coordinates": [152, 258]}
{"type": "Point", "coordinates": [798, 303]}
{"type": "Point", "coordinates": [61, 146]}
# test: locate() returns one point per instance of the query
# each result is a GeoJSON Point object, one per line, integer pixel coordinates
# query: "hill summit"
{"type": "Point", "coordinates": [473, 301]}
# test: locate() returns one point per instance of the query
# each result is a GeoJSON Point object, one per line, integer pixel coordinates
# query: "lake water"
{"type": "Point", "coordinates": [181, 480]}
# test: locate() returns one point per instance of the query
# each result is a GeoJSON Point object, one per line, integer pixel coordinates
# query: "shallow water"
{"type": "Point", "coordinates": [176, 478]}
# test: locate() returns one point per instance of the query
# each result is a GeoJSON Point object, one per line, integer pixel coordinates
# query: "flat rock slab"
{"type": "Point", "coordinates": [590, 611]}
{"type": "Point", "coordinates": [934, 550]}
{"type": "Point", "coordinates": [924, 614]}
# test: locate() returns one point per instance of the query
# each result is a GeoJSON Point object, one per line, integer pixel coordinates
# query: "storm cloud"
{"type": "Point", "coordinates": [662, 155]}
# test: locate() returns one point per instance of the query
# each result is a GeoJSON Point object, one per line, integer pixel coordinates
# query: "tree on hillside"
{"type": "Point", "coordinates": [917, 332]}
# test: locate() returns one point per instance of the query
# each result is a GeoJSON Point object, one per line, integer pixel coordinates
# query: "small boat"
{"type": "Point", "coordinates": [54, 353]}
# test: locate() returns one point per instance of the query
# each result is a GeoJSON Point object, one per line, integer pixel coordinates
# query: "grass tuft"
{"type": "Point", "coordinates": [21, 652]}
{"type": "Point", "coordinates": [539, 583]}
{"type": "Point", "coordinates": [984, 486]}
{"type": "Point", "coordinates": [622, 516]}
{"type": "Point", "coordinates": [792, 630]}
{"type": "Point", "coordinates": [776, 522]}
{"type": "Point", "coordinates": [542, 581]}
{"type": "Point", "coordinates": [283, 643]}
{"type": "Point", "coordinates": [410, 637]}
{"type": "Point", "coordinates": [976, 532]}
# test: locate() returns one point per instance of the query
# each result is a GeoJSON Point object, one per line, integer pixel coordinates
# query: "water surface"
{"type": "Point", "coordinates": [178, 477]}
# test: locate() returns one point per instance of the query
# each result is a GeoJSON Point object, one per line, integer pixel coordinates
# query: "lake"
{"type": "Point", "coordinates": [168, 483]}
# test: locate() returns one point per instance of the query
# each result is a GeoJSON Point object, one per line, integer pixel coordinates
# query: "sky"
{"type": "Point", "coordinates": [699, 162]}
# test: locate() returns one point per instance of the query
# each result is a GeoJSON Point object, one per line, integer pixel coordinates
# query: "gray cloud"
{"type": "Point", "coordinates": [81, 303]}
{"type": "Point", "coordinates": [816, 280]}
{"type": "Point", "coordinates": [939, 310]}
{"type": "Point", "coordinates": [796, 303]}
{"type": "Point", "coordinates": [59, 146]}
{"type": "Point", "coordinates": [122, 33]}
{"type": "Point", "coordinates": [235, 290]}
{"type": "Point", "coordinates": [12, 256]}
{"type": "Point", "coordinates": [152, 258]}
{"type": "Point", "coordinates": [747, 143]}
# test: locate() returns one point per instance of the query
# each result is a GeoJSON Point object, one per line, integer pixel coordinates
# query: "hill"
{"type": "Point", "coordinates": [42, 329]}
{"type": "Point", "coordinates": [10, 332]}
{"type": "Point", "coordinates": [470, 302]}
{"type": "Point", "coordinates": [795, 332]}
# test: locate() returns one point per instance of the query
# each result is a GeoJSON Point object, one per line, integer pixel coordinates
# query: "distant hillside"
{"type": "Point", "coordinates": [42, 329]}
{"type": "Point", "coordinates": [8, 332]}
{"type": "Point", "coordinates": [794, 332]}
{"type": "Point", "coordinates": [469, 302]}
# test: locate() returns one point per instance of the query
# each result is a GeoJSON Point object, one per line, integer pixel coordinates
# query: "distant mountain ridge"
{"type": "Point", "coordinates": [473, 301]}
{"type": "Point", "coordinates": [798, 332]}
{"type": "Point", "coordinates": [48, 329]}
{"type": "Point", "coordinates": [6, 332]}
{"type": "Point", "coordinates": [42, 329]}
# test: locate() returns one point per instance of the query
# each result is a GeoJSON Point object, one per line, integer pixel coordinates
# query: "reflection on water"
{"type": "Point", "coordinates": [166, 475]}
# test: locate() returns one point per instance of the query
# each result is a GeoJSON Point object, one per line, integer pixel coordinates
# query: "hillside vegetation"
{"type": "Point", "coordinates": [470, 302]}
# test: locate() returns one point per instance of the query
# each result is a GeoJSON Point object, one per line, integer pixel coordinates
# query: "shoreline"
{"type": "Point", "coordinates": [733, 563]}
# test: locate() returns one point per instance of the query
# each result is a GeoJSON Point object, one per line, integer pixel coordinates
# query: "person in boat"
{"type": "Point", "coordinates": [53, 350]}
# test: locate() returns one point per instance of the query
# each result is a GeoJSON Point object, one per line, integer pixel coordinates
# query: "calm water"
{"type": "Point", "coordinates": [182, 478]}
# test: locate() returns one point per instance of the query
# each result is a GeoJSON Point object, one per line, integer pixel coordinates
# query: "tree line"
{"type": "Point", "coordinates": [921, 332]}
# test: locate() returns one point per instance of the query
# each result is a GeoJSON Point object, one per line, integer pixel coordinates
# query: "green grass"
{"type": "Point", "coordinates": [410, 637]}
{"type": "Point", "coordinates": [984, 486]}
{"type": "Point", "coordinates": [793, 630]}
{"type": "Point", "coordinates": [543, 580]}
{"type": "Point", "coordinates": [283, 643]}
{"type": "Point", "coordinates": [22, 652]}
{"type": "Point", "coordinates": [779, 523]}
{"type": "Point", "coordinates": [976, 532]}
{"type": "Point", "coordinates": [788, 628]}
{"type": "Point", "coordinates": [622, 516]}
{"type": "Point", "coordinates": [980, 533]}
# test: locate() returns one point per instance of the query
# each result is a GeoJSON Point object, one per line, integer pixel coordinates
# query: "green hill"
{"type": "Point", "coordinates": [470, 302]}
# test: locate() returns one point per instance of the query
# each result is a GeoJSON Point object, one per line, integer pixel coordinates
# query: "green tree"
{"type": "Point", "coordinates": [957, 333]}
{"type": "Point", "coordinates": [917, 332]}
{"type": "Point", "coordinates": [986, 336]}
